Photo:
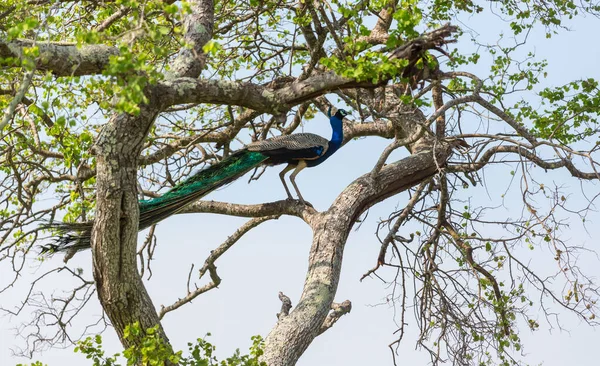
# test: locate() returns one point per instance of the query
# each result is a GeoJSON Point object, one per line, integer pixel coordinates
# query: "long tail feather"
{"type": "Point", "coordinates": [77, 236]}
{"type": "Point", "coordinates": [69, 235]}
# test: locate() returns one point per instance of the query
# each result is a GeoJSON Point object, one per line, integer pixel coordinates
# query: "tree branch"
{"type": "Point", "coordinates": [62, 59]}
{"type": "Point", "coordinates": [215, 282]}
{"type": "Point", "coordinates": [522, 151]}
{"type": "Point", "coordinates": [279, 100]}
{"type": "Point", "coordinates": [209, 264]}
{"type": "Point", "coordinates": [337, 311]}
{"type": "Point", "coordinates": [283, 207]}
{"type": "Point", "coordinates": [198, 30]}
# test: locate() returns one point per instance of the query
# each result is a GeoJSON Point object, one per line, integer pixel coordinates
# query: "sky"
{"type": "Point", "coordinates": [273, 256]}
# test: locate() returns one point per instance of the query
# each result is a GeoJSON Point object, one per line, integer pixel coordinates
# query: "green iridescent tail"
{"type": "Point", "coordinates": [77, 236]}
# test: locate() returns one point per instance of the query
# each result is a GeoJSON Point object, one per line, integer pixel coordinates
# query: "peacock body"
{"type": "Point", "coordinates": [298, 151]}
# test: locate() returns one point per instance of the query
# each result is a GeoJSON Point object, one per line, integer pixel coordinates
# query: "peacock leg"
{"type": "Point", "coordinates": [282, 177]}
{"type": "Point", "coordinates": [301, 165]}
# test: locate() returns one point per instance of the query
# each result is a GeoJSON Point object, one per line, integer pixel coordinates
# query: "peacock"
{"type": "Point", "coordinates": [299, 151]}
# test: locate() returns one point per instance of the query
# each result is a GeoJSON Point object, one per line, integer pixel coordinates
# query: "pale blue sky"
{"type": "Point", "coordinates": [273, 257]}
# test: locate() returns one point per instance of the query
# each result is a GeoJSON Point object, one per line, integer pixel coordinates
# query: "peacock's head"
{"type": "Point", "coordinates": [341, 113]}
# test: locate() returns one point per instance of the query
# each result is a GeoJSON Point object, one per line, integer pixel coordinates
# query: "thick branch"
{"type": "Point", "coordinates": [198, 28]}
{"type": "Point", "coordinates": [284, 207]}
{"type": "Point", "coordinates": [62, 59]}
{"type": "Point", "coordinates": [379, 33]}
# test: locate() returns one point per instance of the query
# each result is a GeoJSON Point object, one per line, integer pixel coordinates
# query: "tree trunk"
{"type": "Point", "coordinates": [114, 237]}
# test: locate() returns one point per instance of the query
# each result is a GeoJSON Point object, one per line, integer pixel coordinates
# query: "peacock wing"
{"type": "Point", "coordinates": [297, 146]}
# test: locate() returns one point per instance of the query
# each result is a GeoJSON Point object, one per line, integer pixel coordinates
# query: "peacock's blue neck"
{"type": "Point", "coordinates": [338, 131]}
{"type": "Point", "coordinates": [337, 137]}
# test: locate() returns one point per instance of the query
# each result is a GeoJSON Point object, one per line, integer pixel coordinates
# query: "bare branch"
{"type": "Point", "coordinates": [209, 264]}
{"type": "Point", "coordinates": [284, 207]}
{"type": "Point", "coordinates": [337, 311]}
{"type": "Point", "coordinates": [215, 282]}
{"type": "Point", "coordinates": [522, 151]}
{"type": "Point", "coordinates": [399, 221]}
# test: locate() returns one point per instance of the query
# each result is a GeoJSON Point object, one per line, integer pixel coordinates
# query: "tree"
{"type": "Point", "coordinates": [99, 96]}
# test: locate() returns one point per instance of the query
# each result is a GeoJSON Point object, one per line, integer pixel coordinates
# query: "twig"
{"type": "Point", "coordinates": [215, 254]}
{"type": "Point", "coordinates": [392, 233]}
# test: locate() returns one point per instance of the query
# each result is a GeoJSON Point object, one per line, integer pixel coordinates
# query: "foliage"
{"type": "Point", "coordinates": [151, 350]}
